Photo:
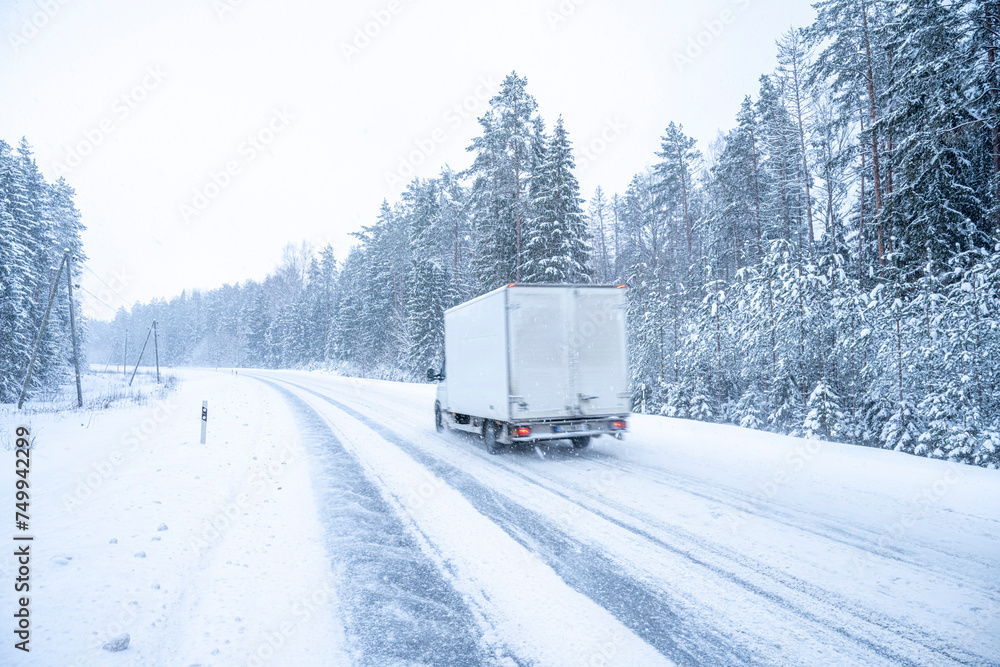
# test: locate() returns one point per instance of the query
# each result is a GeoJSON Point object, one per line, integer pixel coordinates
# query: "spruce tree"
{"type": "Point", "coordinates": [500, 204]}
{"type": "Point", "coordinates": [558, 242]}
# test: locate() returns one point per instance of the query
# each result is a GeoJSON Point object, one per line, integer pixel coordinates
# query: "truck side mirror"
{"type": "Point", "coordinates": [431, 375]}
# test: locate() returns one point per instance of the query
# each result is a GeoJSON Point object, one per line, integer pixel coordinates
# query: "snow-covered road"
{"type": "Point", "coordinates": [686, 543]}
{"type": "Point", "coordinates": [326, 522]}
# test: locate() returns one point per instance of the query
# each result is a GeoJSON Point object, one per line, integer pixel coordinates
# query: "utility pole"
{"type": "Point", "coordinates": [125, 354]}
{"type": "Point", "coordinates": [111, 357]}
{"type": "Point", "coordinates": [38, 337]}
{"type": "Point", "coordinates": [156, 349]}
{"type": "Point", "coordinates": [72, 329]}
{"type": "Point", "coordinates": [140, 355]}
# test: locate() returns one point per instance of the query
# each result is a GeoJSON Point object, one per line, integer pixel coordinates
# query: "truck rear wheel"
{"type": "Point", "coordinates": [581, 443]}
{"type": "Point", "coordinates": [493, 446]}
{"type": "Point", "coordinates": [438, 419]}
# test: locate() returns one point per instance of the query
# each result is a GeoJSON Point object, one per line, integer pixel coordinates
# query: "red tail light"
{"type": "Point", "coordinates": [619, 425]}
{"type": "Point", "coordinates": [522, 432]}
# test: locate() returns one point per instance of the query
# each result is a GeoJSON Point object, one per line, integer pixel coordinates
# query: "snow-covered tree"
{"type": "Point", "coordinates": [557, 249]}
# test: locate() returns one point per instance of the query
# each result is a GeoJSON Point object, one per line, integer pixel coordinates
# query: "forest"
{"type": "Point", "coordinates": [829, 267]}
{"type": "Point", "coordinates": [39, 222]}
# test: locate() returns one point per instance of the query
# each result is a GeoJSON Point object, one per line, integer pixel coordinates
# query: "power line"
{"type": "Point", "coordinates": [84, 289]}
{"type": "Point", "coordinates": [84, 265]}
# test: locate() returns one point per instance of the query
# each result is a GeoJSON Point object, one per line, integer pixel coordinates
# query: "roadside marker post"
{"type": "Point", "coordinates": [204, 420]}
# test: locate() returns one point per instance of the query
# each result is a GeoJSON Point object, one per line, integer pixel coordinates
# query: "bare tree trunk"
{"type": "Point", "coordinates": [870, 77]}
{"type": "Point", "coordinates": [829, 200]}
{"type": "Point", "coordinates": [676, 318]}
{"type": "Point", "coordinates": [833, 270]}
{"type": "Point", "coordinates": [496, 202]}
{"type": "Point", "coordinates": [605, 268]}
{"type": "Point", "coordinates": [861, 216]}
{"type": "Point", "coordinates": [889, 146]}
{"type": "Point", "coordinates": [899, 365]}
{"type": "Point", "coordinates": [802, 145]}
{"type": "Point", "coordinates": [861, 252]}
{"type": "Point", "coordinates": [782, 180]}
{"type": "Point", "coordinates": [756, 196]}
{"type": "Point", "coordinates": [995, 130]}
{"type": "Point", "coordinates": [517, 207]}
{"type": "Point", "coordinates": [854, 382]}
{"type": "Point", "coordinates": [687, 219]}
{"type": "Point", "coordinates": [614, 205]}
{"type": "Point", "coordinates": [718, 349]}
{"type": "Point", "coordinates": [976, 355]}
{"type": "Point", "coordinates": [774, 337]}
{"type": "Point", "coordinates": [802, 336]}
{"type": "Point", "coordinates": [659, 287]}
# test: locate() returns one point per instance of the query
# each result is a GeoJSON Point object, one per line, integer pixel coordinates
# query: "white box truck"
{"type": "Point", "coordinates": [535, 362]}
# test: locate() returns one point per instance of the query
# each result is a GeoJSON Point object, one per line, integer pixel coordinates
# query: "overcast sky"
{"type": "Point", "coordinates": [203, 135]}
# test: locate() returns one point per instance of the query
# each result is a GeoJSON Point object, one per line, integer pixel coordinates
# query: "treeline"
{"type": "Point", "coordinates": [830, 268]}
{"type": "Point", "coordinates": [38, 223]}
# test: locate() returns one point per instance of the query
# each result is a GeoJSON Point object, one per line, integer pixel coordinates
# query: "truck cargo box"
{"type": "Point", "coordinates": [525, 353]}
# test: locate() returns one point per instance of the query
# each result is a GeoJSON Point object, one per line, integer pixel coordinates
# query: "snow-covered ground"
{"type": "Point", "coordinates": [326, 522]}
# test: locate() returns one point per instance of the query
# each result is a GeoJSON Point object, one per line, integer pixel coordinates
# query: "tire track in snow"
{"type": "Point", "coordinates": [835, 530]}
{"type": "Point", "coordinates": [559, 548]}
{"type": "Point", "coordinates": [907, 637]}
{"type": "Point", "coordinates": [645, 525]}
{"type": "Point", "coordinates": [755, 574]}
{"type": "Point", "coordinates": [397, 607]}
{"type": "Point", "coordinates": [649, 613]}
{"type": "Point", "coordinates": [522, 600]}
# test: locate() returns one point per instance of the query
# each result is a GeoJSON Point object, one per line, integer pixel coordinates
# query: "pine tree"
{"type": "Point", "coordinates": [736, 186]}
{"type": "Point", "coordinates": [600, 229]}
{"type": "Point", "coordinates": [501, 183]}
{"type": "Point", "coordinates": [792, 72]}
{"type": "Point", "coordinates": [557, 248]}
{"type": "Point", "coordinates": [426, 308]}
{"type": "Point", "coordinates": [932, 202]}
{"type": "Point", "coordinates": [780, 202]}
{"type": "Point", "coordinates": [748, 410]}
{"type": "Point", "coordinates": [678, 157]}
{"type": "Point", "coordinates": [825, 415]}
{"type": "Point", "coordinates": [15, 272]}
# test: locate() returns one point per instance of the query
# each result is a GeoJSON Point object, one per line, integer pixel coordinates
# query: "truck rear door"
{"type": "Point", "coordinates": [597, 352]}
{"type": "Point", "coordinates": [539, 321]}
